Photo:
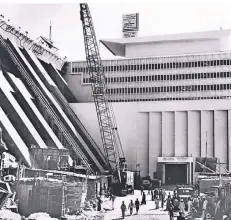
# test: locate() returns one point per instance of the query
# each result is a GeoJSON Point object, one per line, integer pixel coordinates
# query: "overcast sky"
{"type": "Point", "coordinates": [158, 17]}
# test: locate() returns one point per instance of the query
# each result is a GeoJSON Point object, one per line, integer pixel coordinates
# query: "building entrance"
{"type": "Point", "coordinates": [176, 173]}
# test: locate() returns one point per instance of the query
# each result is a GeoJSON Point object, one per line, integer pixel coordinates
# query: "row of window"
{"type": "Point", "coordinates": [168, 99]}
{"type": "Point", "coordinates": [173, 77]}
{"type": "Point", "coordinates": [157, 66]}
{"type": "Point", "coordinates": [170, 89]}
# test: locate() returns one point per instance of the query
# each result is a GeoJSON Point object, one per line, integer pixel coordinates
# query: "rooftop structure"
{"type": "Point", "coordinates": [171, 44]}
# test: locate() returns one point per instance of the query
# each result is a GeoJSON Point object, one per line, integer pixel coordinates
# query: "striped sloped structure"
{"type": "Point", "coordinates": [34, 109]}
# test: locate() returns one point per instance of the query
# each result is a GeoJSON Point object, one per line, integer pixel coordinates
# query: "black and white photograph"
{"type": "Point", "coordinates": [115, 110]}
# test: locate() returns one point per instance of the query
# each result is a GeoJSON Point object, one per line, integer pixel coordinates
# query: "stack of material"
{"type": "Point", "coordinates": [8, 215]}
{"type": "Point", "coordinates": [51, 196]}
{"type": "Point", "coordinates": [40, 216]}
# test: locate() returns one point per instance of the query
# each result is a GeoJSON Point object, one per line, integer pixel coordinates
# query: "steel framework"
{"type": "Point", "coordinates": [108, 130]}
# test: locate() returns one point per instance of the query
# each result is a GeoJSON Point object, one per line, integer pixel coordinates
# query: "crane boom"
{"type": "Point", "coordinates": [110, 138]}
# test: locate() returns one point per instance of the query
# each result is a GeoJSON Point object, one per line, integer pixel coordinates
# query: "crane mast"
{"type": "Point", "coordinates": [110, 138]}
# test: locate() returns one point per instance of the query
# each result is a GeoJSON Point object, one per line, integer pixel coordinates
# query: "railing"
{"type": "Point", "coordinates": [21, 39]}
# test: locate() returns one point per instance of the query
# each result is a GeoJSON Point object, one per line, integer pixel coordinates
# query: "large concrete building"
{"type": "Point", "coordinates": [171, 98]}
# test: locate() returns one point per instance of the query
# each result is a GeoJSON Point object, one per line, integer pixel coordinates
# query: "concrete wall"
{"type": "Point", "coordinates": [173, 48]}
{"type": "Point", "coordinates": [174, 128]}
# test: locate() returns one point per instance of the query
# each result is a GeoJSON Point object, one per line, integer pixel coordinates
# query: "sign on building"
{"type": "Point", "coordinates": [175, 159]}
{"type": "Point", "coordinates": [130, 25]}
{"type": "Point", "coordinates": [129, 34]}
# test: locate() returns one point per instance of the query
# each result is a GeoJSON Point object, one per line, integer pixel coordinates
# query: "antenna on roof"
{"type": "Point", "coordinates": [50, 33]}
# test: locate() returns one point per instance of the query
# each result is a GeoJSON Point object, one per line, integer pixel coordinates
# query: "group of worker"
{"type": "Point", "coordinates": [197, 207]}
{"type": "Point", "coordinates": [131, 206]}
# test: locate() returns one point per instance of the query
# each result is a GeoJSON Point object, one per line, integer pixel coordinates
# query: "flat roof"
{"type": "Point", "coordinates": [117, 46]}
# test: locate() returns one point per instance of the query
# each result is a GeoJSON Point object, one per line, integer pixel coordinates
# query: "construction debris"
{"type": "Point", "coordinates": [9, 215]}
{"type": "Point", "coordinates": [40, 216]}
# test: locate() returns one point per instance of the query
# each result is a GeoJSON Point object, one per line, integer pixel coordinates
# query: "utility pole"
{"type": "Point", "coordinates": [220, 176]}
{"type": "Point", "coordinates": [50, 33]}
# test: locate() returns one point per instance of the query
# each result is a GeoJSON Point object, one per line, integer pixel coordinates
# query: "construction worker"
{"type": "Point", "coordinates": [123, 209]}
{"type": "Point", "coordinates": [142, 189]}
{"type": "Point", "coordinates": [137, 205]}
{"type": "Point", "coordinates": [182, 207]}
{"type": "Point", "coordinates": [171, 211]}
{"type": "Point", "coordinates": [131, 207]}
{"type": "Point", "coordinates": [113, 197]}
{"type": "Point", "coordinates": [204, 207]}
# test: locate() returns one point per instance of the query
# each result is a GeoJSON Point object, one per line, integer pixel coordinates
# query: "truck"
{"type": "Point", "coordinates": [149, 183]}
{"type": "Point", "coordinates": [185, 192]}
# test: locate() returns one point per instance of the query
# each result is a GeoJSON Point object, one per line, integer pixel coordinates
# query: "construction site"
{"type": "Point", "coordinates": [55, 165]}
{"type": "Point", "coordinates": [50, 164]}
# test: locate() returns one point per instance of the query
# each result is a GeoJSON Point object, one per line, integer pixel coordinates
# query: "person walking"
{"type": "Point", "coordinates": [171, 211]}
{"type": "Point", "coordinates": [156, 193]}
{"type": "Point", "coordinates": [99, 201]}
{"type": "Point", "coordinates": [152, 195]}
{"type": "Point", "coordinates": [113, 201]}
{"type": "Point", "coordinates": [168, 203]}
{"type": "Point", "coordinates": [123, 209]}
{"type": "Point", "coordinates": [137, 205]}
{"type": "Point", "coordinates": [141, 190]}
{"type": "Point", "coordinates": [189, 205]}
{"type": "Point", "coordinates": [143, 201]}
{"type": "Point", "coordinates": [204, 207]}
{"type": "Point", "coordinates": [163, 195]}
{"type": "Point", "coordinates": [157, 202]}
{"type": "Point", "coordinates": [131, 207]}
{"type": "Point", "coordinates": [182, 207]}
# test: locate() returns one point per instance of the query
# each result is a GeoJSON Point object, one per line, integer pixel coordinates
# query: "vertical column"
{"type": "Point", "coordinates": [221, 133]}
{"type": "Point", "coordinates": [189, 173]}
{"type": "Point", "coordinates": [181, 133]}
{"type": "Point", "coordinates": [202, 147]}
{"type": "Point", "coordinates": [174, 132]}
{"type": "Point", "coordinates": [188, 133]}
{"type": "Point", "coordinates": [229, 141]}
{"type": "Point", "coordinates": [168, 128]}
{"type": "Point", "coordinates": [155, 140]}
{"type": "Point", "coordinates": [162, 132]}
{"type": "Point", "coordinates": [214, 142]}
{"type": "Point", "coordinates": [163, 177]}
{"type": "Point", "coordinates": [142, 140]}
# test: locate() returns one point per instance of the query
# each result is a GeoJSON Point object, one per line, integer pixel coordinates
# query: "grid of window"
{"type": "Point", "coordinates": [167, 99]}
{"type": "Point", "coordinates": [165, 78]}
{"type": "Point", "coordinates": [158, 66]}
{"type": "Point", "coordinates": [213, 87]}
{"type": "Point", "coordinates": [172, 77]}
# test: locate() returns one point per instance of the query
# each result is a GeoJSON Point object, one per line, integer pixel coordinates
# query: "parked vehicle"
{"type": "Point", "coordinates": [185, 192]}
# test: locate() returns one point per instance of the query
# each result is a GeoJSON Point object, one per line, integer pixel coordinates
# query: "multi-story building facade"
{"type": "Point", "coordinates": [171, 99]}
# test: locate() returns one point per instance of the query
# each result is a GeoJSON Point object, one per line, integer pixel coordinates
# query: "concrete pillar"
{"type": "Point", "coordinates": [163, 177]}
{"type": "Point", "coordinates": [229, 140]}
{"type": "Point", "coordinates": [189, 173]}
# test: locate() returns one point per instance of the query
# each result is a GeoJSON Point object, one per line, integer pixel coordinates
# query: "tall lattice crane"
{"type": "Point", "coordinates": [107, 124]}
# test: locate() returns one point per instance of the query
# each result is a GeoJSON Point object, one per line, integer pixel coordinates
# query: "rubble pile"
{"type": "Point", "coordinates": [40, 216]}
{"type": "Point", "coordinates": [88, 215]}
{"type": "Point", "coordinates": [9, 215]}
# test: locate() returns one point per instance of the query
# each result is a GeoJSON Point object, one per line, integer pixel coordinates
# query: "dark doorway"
{"type": "Point", "coordinates": [176, 173]}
